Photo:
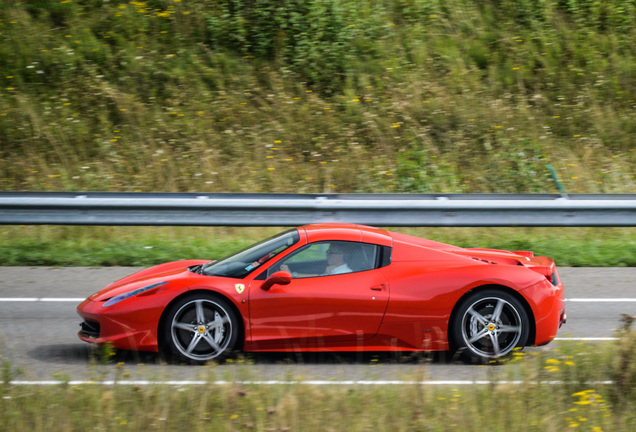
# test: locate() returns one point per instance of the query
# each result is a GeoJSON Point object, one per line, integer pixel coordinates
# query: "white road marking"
{"type": "Point", "coordinates": [18, 299]}
{"type": "Point", "coordinates": [280, 382]}
{"type": "Point", "coordinates": [56, 299]}
{"type": "Point", "coordinates": [42, 299]}
{"type": "Point", "coordinates": [585, 338]}
{"type": "Point", "coordinates": [597, 300]}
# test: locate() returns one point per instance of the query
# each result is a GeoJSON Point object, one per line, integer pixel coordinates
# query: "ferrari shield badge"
{"type": "Point", "coordinates": [239, 288]}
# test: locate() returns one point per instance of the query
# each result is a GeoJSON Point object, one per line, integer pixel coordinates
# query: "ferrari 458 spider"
{"type": "Point", "coordinates": [333, 287]}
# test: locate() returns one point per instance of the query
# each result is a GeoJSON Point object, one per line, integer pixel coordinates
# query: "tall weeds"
{"type": "Point", "coordinates": [319, 96]}
{"type": "Point", "coordinates": [566, 388]}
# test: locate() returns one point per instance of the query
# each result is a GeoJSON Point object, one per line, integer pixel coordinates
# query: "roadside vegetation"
{"type": "Point", "coordinates": [571, 387]}
{"type": "Point", "coordinates": [147, 246]}
{"type": "Point", "coordinates": [315, 96]}
{"type": "Point", "coordinates": [319, 96]}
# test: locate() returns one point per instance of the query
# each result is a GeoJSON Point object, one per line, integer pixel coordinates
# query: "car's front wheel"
{"type": "Point", "coordinates": [489, 324]}
{"type": "Point", "coordinates": [201, 327]}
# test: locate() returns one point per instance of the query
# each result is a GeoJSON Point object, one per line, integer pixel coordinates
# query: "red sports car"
{"type": "Point", "coordinates": [335, 287]}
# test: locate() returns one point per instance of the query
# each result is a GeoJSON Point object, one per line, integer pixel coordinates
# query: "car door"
{"type": "Point", "coordinates": [317, 308]}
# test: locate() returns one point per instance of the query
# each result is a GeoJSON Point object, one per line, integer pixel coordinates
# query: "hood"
{"type": "Point", "coordinates": [153, 275]}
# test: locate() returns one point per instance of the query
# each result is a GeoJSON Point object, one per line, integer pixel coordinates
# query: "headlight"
{"type": "Point", "coordinates": [124, 296]}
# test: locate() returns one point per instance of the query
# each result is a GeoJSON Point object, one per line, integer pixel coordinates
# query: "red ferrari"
{"type": "Point", "coordinates": [333, 287]}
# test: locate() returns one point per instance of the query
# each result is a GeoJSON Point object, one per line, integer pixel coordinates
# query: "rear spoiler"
{"type": "Point", "coordinates": [544, 266]}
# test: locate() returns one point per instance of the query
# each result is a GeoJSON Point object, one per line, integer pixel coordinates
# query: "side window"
{"type": "Point", "coordinates": [330, 258]}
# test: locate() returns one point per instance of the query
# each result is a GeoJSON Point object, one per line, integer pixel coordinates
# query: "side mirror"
{"type": "Point", "coordinates": [278, 278]}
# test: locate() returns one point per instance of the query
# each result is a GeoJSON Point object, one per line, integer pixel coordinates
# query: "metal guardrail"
{"type": "Point", "coordinates": [220, 209]}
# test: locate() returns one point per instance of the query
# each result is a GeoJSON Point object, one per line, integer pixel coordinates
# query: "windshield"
{"type": "Point", "coordinates": [244, 262]}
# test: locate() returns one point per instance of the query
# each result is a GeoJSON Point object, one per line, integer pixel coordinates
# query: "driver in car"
{"type": "Point", "coordinates": [336, 262]}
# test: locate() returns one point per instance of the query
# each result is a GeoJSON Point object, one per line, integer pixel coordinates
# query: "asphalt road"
{"type": "Point", "coordinates": [38, 334]}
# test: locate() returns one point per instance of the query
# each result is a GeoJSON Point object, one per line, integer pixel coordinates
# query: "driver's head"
{"type": "Point", "coordinates": [337, 254]}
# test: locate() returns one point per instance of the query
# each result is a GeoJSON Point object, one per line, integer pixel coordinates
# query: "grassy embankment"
{"type": "Point", "coordinates": [134, 246]}
{"type": "Point", "coordinates": [583, 401]}
{"type": "Point", "coordinates": [323, 96]}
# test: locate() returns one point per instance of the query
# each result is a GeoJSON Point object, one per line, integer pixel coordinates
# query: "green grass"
{"type": "Point", "coordinates": [315, 96]}
{"type": "Point", "coordinates": [561, 390]}
{"type": "Point", "coordinates": [319, 96]}
{"type": "Point", "coordinates": [144, 246]}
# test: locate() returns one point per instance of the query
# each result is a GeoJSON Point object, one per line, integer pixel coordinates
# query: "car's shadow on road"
{"type": "Point", "coordinates": [63, 353]}
{"type": "Point", "coordinates": [347, 357]}
{"type": "Point", "coordinates": [274, 358]}
{"type": "Point", "coordinates": [83, 354]}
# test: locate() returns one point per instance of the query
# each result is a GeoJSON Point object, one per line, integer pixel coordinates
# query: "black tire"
{"type": "Point", "coordinates": [489, 324]}
{"type": "Point", "coordinates": [200, 327]}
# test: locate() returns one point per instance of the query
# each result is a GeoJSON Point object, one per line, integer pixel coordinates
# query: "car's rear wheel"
{"type": "Point", "coordinates": [489, 324]}
{"type": "Point", "coordinates": [201, 327]}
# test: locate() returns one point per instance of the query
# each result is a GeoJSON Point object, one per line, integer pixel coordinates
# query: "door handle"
{"type": "Point", "coordinates": [378, 287]}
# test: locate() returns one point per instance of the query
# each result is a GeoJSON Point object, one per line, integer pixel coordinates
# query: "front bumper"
{"type": "Point", "coordinates": [121, 327]}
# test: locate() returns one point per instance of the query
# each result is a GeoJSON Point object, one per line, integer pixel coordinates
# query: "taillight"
{"type": "Point", "coordinates": [554, 278]}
